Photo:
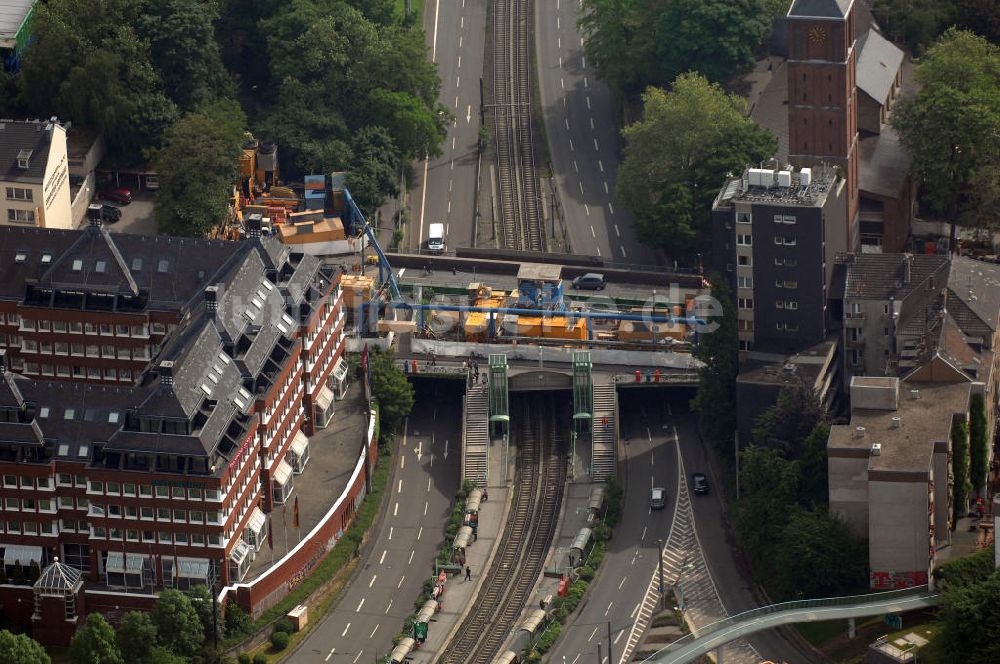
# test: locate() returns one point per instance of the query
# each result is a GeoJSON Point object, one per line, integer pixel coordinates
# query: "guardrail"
{"type": "Point", "coordinates": [865, 604]}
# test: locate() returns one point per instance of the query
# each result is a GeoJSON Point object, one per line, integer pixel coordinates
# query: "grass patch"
{"type": "Point", "coordinates": [818, 633]}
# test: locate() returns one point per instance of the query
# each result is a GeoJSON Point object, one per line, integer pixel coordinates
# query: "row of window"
{"type": "Point", "coordinates": [746, 218]}
{"type": "Point", "coordinates": [158, 513]}
{"type": "Point", "coordinates": [158, 537]}
{"type": "Point", "coordinates": [28, 505]}
{"type": "Point", "coordinates": [107, 351]}
{"type": "Point", "coordinates": [787, 327]}
{"type": "Point", "coordinates": [76, 327]}
{"type": "Point", "coordinates": [791, 305]}
{"type": "Point", "coordinates": [18, 364]}
{"type": "Point", "coordinates": [20, 216]}
{"type": "Point", "coordinates": [149, 491]}
{"type": "Point", "coordinates": [19, 194]}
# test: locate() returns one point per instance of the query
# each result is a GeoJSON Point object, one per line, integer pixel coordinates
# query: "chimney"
{"type": "Point", "coordinates": [212, 298]}
{"type": "Point", "coordinates": [896, 421]}
{"type": "Point", "coordinates": [914, 394]}
{"type": "Point", "coordinates": [167, 372]}
{"type": "Point", "coordinates": [254, 224]}
{"type": "Point", "coordinates": [859, 432]}
{"type": "Point", "coordinates": [908, 266]}
{"type": "Point", "coordinates": [876, 449]}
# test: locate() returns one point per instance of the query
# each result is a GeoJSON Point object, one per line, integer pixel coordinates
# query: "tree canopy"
{"type": "Point", "coordinates": [786, 425]}
{"type": "Point", "coordinates": [95, 643]}
{"type": "Point", "coordinates": [21, 649]}
{"type": "Point", "coordinates": [918, 23]}
{"type": "Point", "coordinates": [951, 129]}
{"type": "Point", "coordinates": [136, 637]}
{"type": "Point", "coordinates": [177, 623]}
{"type": "Point", "coordinates": [392, 390]}
{"type": "Point", "coordinates": [715, 402]}
{"type": "Point", "coordinates": [970, 616]}
{"type": "Point", "coordinates": [635, 43]}
{"type": "Point", "coordinates": [679, 154]}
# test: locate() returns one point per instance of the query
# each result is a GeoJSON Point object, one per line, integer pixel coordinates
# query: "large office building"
{"type": "Point", "coordinates": [164, 476]}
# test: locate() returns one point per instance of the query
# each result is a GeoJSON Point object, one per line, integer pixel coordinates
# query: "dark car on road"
{"type": "Point", "coordinates": [107, 214]}
{"type": "Point", "coordinates": [699, 483]}
{"type": "Point", "coordinates": [119, 195]}
{"type": "Point", "coordinates": [590, 281]}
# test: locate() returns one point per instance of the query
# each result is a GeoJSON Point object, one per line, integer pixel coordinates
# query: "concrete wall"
{"type": "Point", "coordinates": [848, 482]}
{"type": "Point", "coordinates": [58, 212]}
{"type": "Point", "coordinates": [875, 397]}
{"type": "Point", "coordinates": [942, 498]}
{"type": "Point", "coordinates": [898, 528]}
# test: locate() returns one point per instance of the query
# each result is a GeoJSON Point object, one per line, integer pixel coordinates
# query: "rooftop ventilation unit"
{"type": "Point", "coordinates": [914, 394]}
{"type": "Point", "coordinates": [897, 421]}
{"type": "Point", "coordinates": [876, 449]}
{"type": "Point", "coordinates": [805, 177]}
{"type": "Point", "coordinates": [859, 432]}
{"type": "Point", "coordinates": [784, 178]}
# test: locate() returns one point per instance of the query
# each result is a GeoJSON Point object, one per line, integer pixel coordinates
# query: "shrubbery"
{"type": "Point", "coordinates": [279, 641]}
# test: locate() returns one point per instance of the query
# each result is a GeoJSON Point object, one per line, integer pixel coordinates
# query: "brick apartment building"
{"type": "Point", "coordinates": [163, 476]}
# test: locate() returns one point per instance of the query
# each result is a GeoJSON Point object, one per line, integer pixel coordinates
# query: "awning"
{"type": "Point", "coordinates": [340, 369]}
{"type": "Point", "coordinates": [402, 649]}
{"type": "Point", "coordinates": [472, 502]}
{"type": "Point", "coordinates": [257, 521]}
{"type": "Point", "coordinates": [427, 611]}
{"type": "Point", "coordinates": [534, 619]}
{"type": "Point", "coordinates": [282, 472]}
{"type": "Point", "coordinates": [240, 551]}
{"type": "Point", "coordinates": [24, 554]}
{"type": "Point", "coordinates": [133, 563]}
{"type": "Point", "coordinates": [192, 568]}
{"type": "Point", "coordinates": [300, 442]}
{"type": "Point", "coordinates": [463, 538]}
{"type": "Point", "coordinates": [324, 398]}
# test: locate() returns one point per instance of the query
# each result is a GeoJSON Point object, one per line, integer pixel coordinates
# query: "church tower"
{"type": "Point", "coordinates": [822, 93]}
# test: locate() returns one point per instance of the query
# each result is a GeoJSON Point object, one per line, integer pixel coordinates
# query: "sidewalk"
{"type": "Point", "coordinates": [575, 510]}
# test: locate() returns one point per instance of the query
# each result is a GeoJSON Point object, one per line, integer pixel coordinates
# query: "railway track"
{"type": "Point", "coordinates": [520, 215]}
{"type": "Point", "coordinates": [525, 540]}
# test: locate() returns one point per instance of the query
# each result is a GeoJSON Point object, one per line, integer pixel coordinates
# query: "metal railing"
{"type": "Point", "coordinates": [879, 599]}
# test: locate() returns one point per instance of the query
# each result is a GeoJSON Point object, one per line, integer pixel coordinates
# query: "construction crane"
{"type": "Point", "coordinates": [386, 277]}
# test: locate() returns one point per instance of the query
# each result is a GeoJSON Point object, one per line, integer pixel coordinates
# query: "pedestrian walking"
{"type": "Point", "coordinates": [486, 495]}
{"type": "Point", "coordinates": [468, 573]}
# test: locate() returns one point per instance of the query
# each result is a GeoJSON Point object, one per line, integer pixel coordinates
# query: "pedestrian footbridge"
{"type": "Point", "coordinates": [719, 633]}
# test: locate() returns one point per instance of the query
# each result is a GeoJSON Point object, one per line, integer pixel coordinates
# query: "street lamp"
{"type": "Point", "coordinates": [663, 597]}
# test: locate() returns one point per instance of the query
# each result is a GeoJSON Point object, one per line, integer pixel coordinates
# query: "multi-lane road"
{"type": "Point", "coordinates": [445, 187]}
{"type": "Point", "coordinates": [396, 564]}
{"type": "Point", "coordinates": [583, 139]}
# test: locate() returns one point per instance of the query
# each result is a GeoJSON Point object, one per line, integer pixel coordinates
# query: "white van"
{"type": "Point", "coordinates": [435, 238]}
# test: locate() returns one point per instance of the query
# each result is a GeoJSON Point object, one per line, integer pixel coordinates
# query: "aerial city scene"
{"type": "Point", "coordinates": [499, 331]}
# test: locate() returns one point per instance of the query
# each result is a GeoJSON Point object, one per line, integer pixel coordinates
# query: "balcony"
{"type": "Point", "coordinates": [854, 318]}
{"type": "Point", "coordinates": [855, 343]}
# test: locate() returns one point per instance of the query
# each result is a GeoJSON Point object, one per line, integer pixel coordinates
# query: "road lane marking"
{"type": "Point", "coordinates": [459, 62]}
{"type": "Point", "coordinates": [376, 629]}
{"type": "Point", "coordinates": [399, 489]}
{"type": "Point", "coordinates": [635, 610]}
{"type": "Point", "coordinates": [420, 532]}
{"type": "Point", "coordinates": [410, 561]}
{"type": "Point", "coordinates": [620, 634]}
{"type": "Point", "coordinates": [390, 532]}
{"type": "Point", "coordinates": [643, 534]}
{"type": "Point", "coordinates": [357, 657]}
{"type": "Point", "coordinates": [575, 658]}
{"type": "Point", "coordinates": [591, 635]}
{"type": "Point", "coordinates": [600, 165]}
{"type": "Point", "coordinates": [581, 186]}
{"type": "Point", "coordinates": [583, 61]}
{"type": "Point", "coordinates": [559, 43]}
{"type": "Point", "coordinates": [587, 208]}
{"type": "Point", "coordinates": [428, 484]}
{"type": "Point", "coordinates": [592, 233]}
{"type": "Point", "coordinates": [622, 582]}
{"type": "Point", "coordinates": [617, 234]}
{"type": "Point", "coordinates": [649, 434]}
{"type": "Point", "coordinates": [382, 559]}
{"type": "Point", "coordinates": [575, 167]}
{"type": "Point", "coordinates": [606, 187]}
{"type": "Point", "coordinates": [611, 208]}
{"type": "Point", "coordinates": [458, 81]}
{"type": "Point", "coordinates": [651, 461]}
{"type": "Point", "coordinates": [395, 510]}
{"type": "Point", "coordinates": [372, 582]}
{"type": "Point", "coordinates": [360, 604]}
{"type": "Point", "coordinates": [596, 149]}
{"type": "Point", "coordinates": [344, 633]}
{"type": "Point", "coordinates": [588, 102]}
{"type": "Point", "coordinates": [585, 84]}
{"type": "Point", "coordinates": [591, 123]}
{"type": "Point", "coordinates": [434, 40]}
{"type": "Point", "coordinates": [566, 122]}
{"type": "Point", "coordinates": [562, 84]}
{"type": "Point", "coordinates": [426, 503]}
{"type": "Point", "coordinates": [560, 62]}
{"type": "Point", "coordinates": [330, 655]}
{"type": "Point", "coordinates": [388, 607]}
{"type": "Point", "coordinates": [571, 148]}
{"type": "Point", "coordinates": [558, 23]}
{"type": "Point", "coordinates": [400, 584]}
{"type": "Point", "coordinates": [624, 255]}
{"type": "Point", "coordinates": [402, 459]}
{"type": "Point", "coordinates": [460, 36]}
{"type": "Point", "coordinates": [607, 610]}
{"type": "Point", "coordinates": [598, 251]}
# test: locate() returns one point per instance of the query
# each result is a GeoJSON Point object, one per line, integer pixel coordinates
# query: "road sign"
{"type": "Point", "coordinates": [894, 621]}
{"type": "Point", "coordinates": [420, 631]}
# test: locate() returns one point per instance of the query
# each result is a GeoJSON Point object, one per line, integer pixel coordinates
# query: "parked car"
{"type": "Point", "coordinates": [118, 195]}
{"type": "Point", "coordinates": [657, 498]}
{"type": "Point", "coordinates": [590, 281]}
{"type": "Point", "coordinates": [699, 484]}
{"type": "Point", "coordinates": [108, 214]}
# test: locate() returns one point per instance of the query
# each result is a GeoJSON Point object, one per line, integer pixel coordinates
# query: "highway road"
{"type": "Point", "coordinates": [649, 420]}
{"type": "Point", "coordinates": [583, 139]}
{"type": "Point", "coordinates": [400, 557]}
{"type": "Point", "coordinates": [445, 188]}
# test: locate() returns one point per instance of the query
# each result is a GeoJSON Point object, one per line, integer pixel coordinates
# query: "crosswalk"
{"type": "Point", "coordinates": [686, 573]}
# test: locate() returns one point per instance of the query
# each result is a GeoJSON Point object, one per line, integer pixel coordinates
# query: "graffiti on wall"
{"type": "Point", "coordinates": [897, 580]}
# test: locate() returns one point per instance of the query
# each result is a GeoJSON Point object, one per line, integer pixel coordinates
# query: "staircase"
{"type": "Point", "coordinates": [476, 436]}
{"type": "Point", "coordinates": [604, 453]}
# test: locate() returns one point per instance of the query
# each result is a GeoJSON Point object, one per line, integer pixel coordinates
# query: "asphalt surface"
{"type": "Point", "coordinates": [400, 556]}
{"type": "Point", "coordinates": [583, 139]}
{"type": "Point", "coordinates": [648, 419]}
{"type": "Point", "coordinates": [445, 188]}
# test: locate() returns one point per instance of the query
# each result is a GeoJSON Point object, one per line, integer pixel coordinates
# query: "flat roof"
{"type": "Point", "coordinates": [539, 272]}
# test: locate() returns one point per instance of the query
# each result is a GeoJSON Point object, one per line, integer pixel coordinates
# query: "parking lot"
{"type": "Point", "coordinates": [137, 216]}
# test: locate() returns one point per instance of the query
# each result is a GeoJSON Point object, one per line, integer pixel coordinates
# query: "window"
{"type": "Point", "coordinates": [95, 487]}
{"type": "Point", "coordinates": [784, 219]}
{"type": "Point", "coordinates": [179, 492]}
{"type": "Point", "coordinates": [115, 511]}
{"type": "Point", "coordinates": [21, 216]}
{"type": "Point", "coordinates": [19, 194]}
{"type": "Point", "coordinates": [65, 479]}
{"type": "Point", "coordinates": [744, 240]}
{"type": "Point", "coordinates": [107, 329]}
{"type": "Point", "coordinates": [162, 491]}
{"type": "Point", "coordinates": [132, 535]}
{"type": "Point", "coordinates": [76, 328]}
{"type": "Point", "coordinates": [77, 265]}
{"type": "Point", "coordinates": [147, 513]}
{"type": "Point", "coordinates": [197, 539]}
{"type": "Point", "coordinates": [131, 511]}
{"type": "Point", "coordinates": [745, 282]}
{"type": "Point", "coordinates": [162, 266]}
{"type": "Point", "coordinates": [129, 488]}
{"type": "Point", "coordinates": [744, 261]}
{"type": "Point", "coordinates": [784, 241]}
{"type": "Point", "coordinates": [164, 537]}
{"type": "Point", "coordinates": [163, 514]}
{"type": "Point", "coordinates": [180, 515]}
{"type": "Point", "coordinates": [744, 303]}
{"type": "Point", "coordinates": [197, 516]}
{"type": "Point", "coordinates": [136, 264]}
{"type": "Point", "coordinates": [145, 490]}
{"type": "Point", "coordinates": [743, 218]}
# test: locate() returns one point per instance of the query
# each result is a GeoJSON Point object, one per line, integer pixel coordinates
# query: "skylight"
{"type": "Point", "coordinates": [136, 264]}
{"type": "Point", "coordinates": [69, 414]}
{"type": "Point", "coordinates": [63, 449]}
{"type": "Point", "coordinates": [113, 417]}
{"type": "Point", "coordinates": [266, 284]}
{"type": "Point", "coordinates": [43, 412]}
{"type": "Point", "coordinates": [206, 389]}
{"type": "Point", "coordinates": [239, 402]}
{"type": "Point", "coordinates": [20, 257]}
{"type": "Point", "coordinates": [224, 358]}
{"type": "Point", "coordinates": [162, 265]}
{"type": "Point", "coordinates": [84, 450]}
{"type": "Point", "coordinates": [77, 265]}
{"type": "Point", "coordinates": [47, 257]}
{"type": "Point", "coordinates": [100, 267]}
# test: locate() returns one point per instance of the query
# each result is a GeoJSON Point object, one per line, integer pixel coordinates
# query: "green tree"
{"type": "Point", "coordinates": [715, 402]}
{"type": "Point", "coordinates": [21, 649]}
{"type": "Point", "coordinates": [136, 637]}
{"type": "Point", "coordinates": [184, 51]}
{"type": "Point", "coordinates": [237, 620]}
{"type": "Point", "coordinates": [716, 38]}
{"type": "Point", "coordinates": [177, 623]}
{"type": "Point", "coordinates": [374, 171]}
{"type": "Point", "coordinates": [817, 555]}
{"type": "Point", "coordinates": [951, 129]}
{"type": "Point", "coordinates": [769, 485]}
{"type": "Point", "coordinates": [960, 467]}
{"type": "Point", "coordinates": [201, 600]}
{"type": "Point", "coordinates": [786, 425]}
{"type": "Point", "coordinates": [970, 616]}
{"type": "Point", "coordinates": [95, 643]}
{"type": "Point", "coordinates": [678, 155]}
{"type": "Point", "coordinates": [814, 491]}
{"type": "Point", "coordinates": [915, 23]}
{"type": "Point", "coordinates": [197, 168]}
{"type": "Point", "coordinates": [979, 444]}
{"type": "Point", "coordinates": [391, 389]}
{"type": "Point", "coordinates": [616, 36]}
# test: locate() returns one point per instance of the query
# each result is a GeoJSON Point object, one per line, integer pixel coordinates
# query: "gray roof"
{"type": "Point", "coordinates": [879, 62]}
{"type": "Point", "coordinates": [883, 276]}
{"type": "Point", "coordinates": [12, 15]}
{"type": "Point", "coordinates": [17, 138]}
{"type": "Point", "coordinates": [884, 165]}
{"type": "Point", "coordinates": [820, 8]}
{"type": "Point", "coordinates": [975, 295]}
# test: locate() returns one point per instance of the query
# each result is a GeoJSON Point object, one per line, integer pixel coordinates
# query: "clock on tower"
{"type": "Point", "coordinates": [817, 34]}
